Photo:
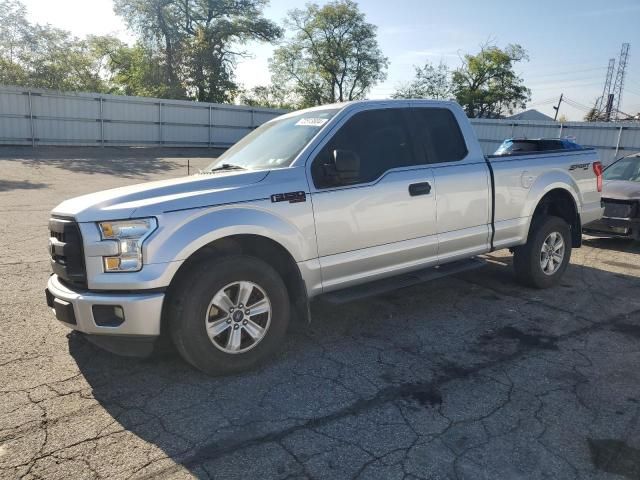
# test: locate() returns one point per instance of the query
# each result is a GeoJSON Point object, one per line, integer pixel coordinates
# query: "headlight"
{"type": "Point", "coordinates": [130, 234]}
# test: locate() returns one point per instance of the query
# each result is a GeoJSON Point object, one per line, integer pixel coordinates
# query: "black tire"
{"type": "Point", "coordinates": [527, 258]}
{"type": "Point", "coordinates": [188, 305]}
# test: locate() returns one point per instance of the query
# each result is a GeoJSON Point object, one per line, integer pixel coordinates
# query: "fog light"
{"type": "Point", "coordinates": [108, 315]}
{"type": "Point", "coordinates": [111, 263]}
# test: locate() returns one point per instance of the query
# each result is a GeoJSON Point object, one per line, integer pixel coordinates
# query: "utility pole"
{"type": "Point", "coordinates": [558, 107]}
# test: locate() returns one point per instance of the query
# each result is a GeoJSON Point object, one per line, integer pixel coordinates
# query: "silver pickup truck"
{"type": "Point", "coordinates": [340, 201]}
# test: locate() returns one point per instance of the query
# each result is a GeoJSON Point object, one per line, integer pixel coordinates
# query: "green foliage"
{"type": "Point", "coordinates": [15, 29]}
{"type": "Point", "coordinates": [137, 71]}
{"type": "Point", "coordinates": [593, 115]}
{"type": "Point", "coordinates": [332, 56]}
{"type": "Point", "coordinates": [42, 56]}
{"type": "Point", "coordinates": [431, 81]}
{"type": "Point", "coordinates": [198, 41]}
{"type": "Point", "coordinates": [270, 96]}
{"type": "Point", "coordinates": [187, 49]}
{"type": "Point", "coordinates": [486, 84]}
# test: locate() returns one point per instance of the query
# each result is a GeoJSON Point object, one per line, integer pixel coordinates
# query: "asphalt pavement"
{"type": "Point", "coordinates": [470, 377]}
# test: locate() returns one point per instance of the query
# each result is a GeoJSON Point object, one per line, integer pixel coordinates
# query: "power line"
{"type": "Point", "coordinates": [555, 74]}
{"type": "Point", "coordinates": [565, 83]}
{"type": "Point", "coordinates": [586, 110]}
{"type": "Point", "coordinates": [542, 103]}
{"type": "Point", "coordinates": [556, 86]}
{"type": "Point", "coordinates": [582, 104]}
{"type": "Point", "coordinates": [577, 105]}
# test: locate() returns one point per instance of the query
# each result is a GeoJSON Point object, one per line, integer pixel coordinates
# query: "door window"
{"type": "Point", "coordinates": [378, 138]}
{"type": "Point", "coordinates": [439, 134]}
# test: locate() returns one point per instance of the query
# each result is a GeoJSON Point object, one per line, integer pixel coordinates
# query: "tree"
{"type": "Point", "coordinates": [332, 56]}
{"type": "Point", "coordinates": [137, 71]}
{"type": "Point", "coordinates": [14, 30]}
{"type": "Point", "coordinates": [13, 48]}
{"type": "Point", "coordinates": [592, 115]}
{"type": "Point", "coordinates": [59, 61]}
{"type": "Point", "coordinates": [486, 85]}
{"type": "Point", "coordinates": [270, 96]}
{"type": "Point", "coordinates": [33, 55]}
{"type": "Point", "coordinates": [198, 41]}
{"type": "Point", "coordinates": [431, 81]}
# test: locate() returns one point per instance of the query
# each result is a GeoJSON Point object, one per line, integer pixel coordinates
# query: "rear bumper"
{"type": "Point", "coordinates": [84, 311]}
{"type": "Point", "coordinates": [614, 227]}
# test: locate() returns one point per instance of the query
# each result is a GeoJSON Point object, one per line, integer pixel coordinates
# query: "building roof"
{"type": "Point", "coordinates": [531, 114]}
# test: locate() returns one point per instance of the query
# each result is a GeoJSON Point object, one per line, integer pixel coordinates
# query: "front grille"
{"type": "Point", "coordinates": [618, 208]}
{"type": "Point", "coordinates": [65, 248]}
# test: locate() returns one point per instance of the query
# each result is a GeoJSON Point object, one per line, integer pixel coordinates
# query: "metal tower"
{"type": "Point", "coordinates": [602, 101]}
{"type": "Point", "coordinates": [619, 83]}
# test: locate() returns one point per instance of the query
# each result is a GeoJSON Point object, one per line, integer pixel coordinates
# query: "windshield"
{"type": "Point", "coordinates": [625, 169]}
{"type": "Point", "coordinates": [275, 144]}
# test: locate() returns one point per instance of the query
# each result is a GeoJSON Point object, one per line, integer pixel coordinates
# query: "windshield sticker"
{"type": "Point", "coordinates": [312, 122]}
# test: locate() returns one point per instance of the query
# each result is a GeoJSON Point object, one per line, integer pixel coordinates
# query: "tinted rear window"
{"type": "Point", "coordinates": [439, 135]}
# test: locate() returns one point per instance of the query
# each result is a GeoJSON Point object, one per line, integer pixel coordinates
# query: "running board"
{"type": "Point", "coordinates": [378, 287]}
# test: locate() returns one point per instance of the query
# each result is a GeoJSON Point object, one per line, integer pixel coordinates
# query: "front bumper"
{"type": "Point", "coordinates": [614, 227]}
{"type": "Point", "coordinates": [80, 310]}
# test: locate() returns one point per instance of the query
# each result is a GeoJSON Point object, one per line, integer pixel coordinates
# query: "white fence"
{"type": "Point", "coordinates": [44, 117]}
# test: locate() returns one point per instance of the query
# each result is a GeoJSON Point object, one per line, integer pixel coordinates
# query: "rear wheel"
{"type": "Point", "coordinates": [541, 262]}
{"type": "Point", "coordinates": [228, 314]}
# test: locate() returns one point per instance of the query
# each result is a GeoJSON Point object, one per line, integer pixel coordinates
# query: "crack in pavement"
{"type": "Point", "coordinates": [223, 447]}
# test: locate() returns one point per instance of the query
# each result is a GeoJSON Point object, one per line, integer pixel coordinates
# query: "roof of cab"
{"type": "Point", "coordinates": [380, 102]}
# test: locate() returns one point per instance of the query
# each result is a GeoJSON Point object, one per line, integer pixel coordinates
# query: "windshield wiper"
{"type": "Point", "coordinates": [225, 166]}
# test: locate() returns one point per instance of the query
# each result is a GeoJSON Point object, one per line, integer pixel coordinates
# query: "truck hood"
{"type": "Point", "coordinates": [154, 198]}
{"type": "Point", "coordinates": [621, 190]}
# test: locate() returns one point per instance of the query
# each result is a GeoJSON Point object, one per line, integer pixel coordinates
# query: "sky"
{"type": "Point", "coordinates": [569, 43]}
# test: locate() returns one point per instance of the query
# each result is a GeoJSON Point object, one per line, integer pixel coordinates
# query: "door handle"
{"type": "Point", "coordinates": [422, 188]}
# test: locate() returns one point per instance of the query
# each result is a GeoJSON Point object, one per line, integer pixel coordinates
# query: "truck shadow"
{"type": "Point", "coordinates": [7, 185]}
{"type": "Point", "coordinates": [403, 349]}
{"type": "Point", "coordinates": [615, 244]}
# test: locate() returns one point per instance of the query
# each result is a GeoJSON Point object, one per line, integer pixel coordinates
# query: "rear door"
{"type": "Point", "coordinates": [384, 222]}
{"type": "Point", "coordinates": [463, 188]}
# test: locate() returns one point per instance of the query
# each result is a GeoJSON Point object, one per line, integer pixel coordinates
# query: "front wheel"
{"type": "Point", "coordinates": [541, 262]}
{"type": "Point", "coordinates": [228, 314]}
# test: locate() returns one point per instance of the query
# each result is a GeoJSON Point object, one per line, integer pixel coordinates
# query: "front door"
{"type": "Point", "coordinates": [383, 221]}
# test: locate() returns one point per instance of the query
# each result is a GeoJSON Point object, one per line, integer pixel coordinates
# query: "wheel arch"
{"type": "Point", "coordinates": [559, 201]}
{"type": "Point", "coordinates": [264, 248]}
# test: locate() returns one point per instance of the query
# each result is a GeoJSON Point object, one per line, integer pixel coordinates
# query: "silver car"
{"type": "Point", "coordinates": [621, 198]}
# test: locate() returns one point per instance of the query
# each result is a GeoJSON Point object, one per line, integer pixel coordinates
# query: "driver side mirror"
{"type": "Point", "coordinates": [347, 165]}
